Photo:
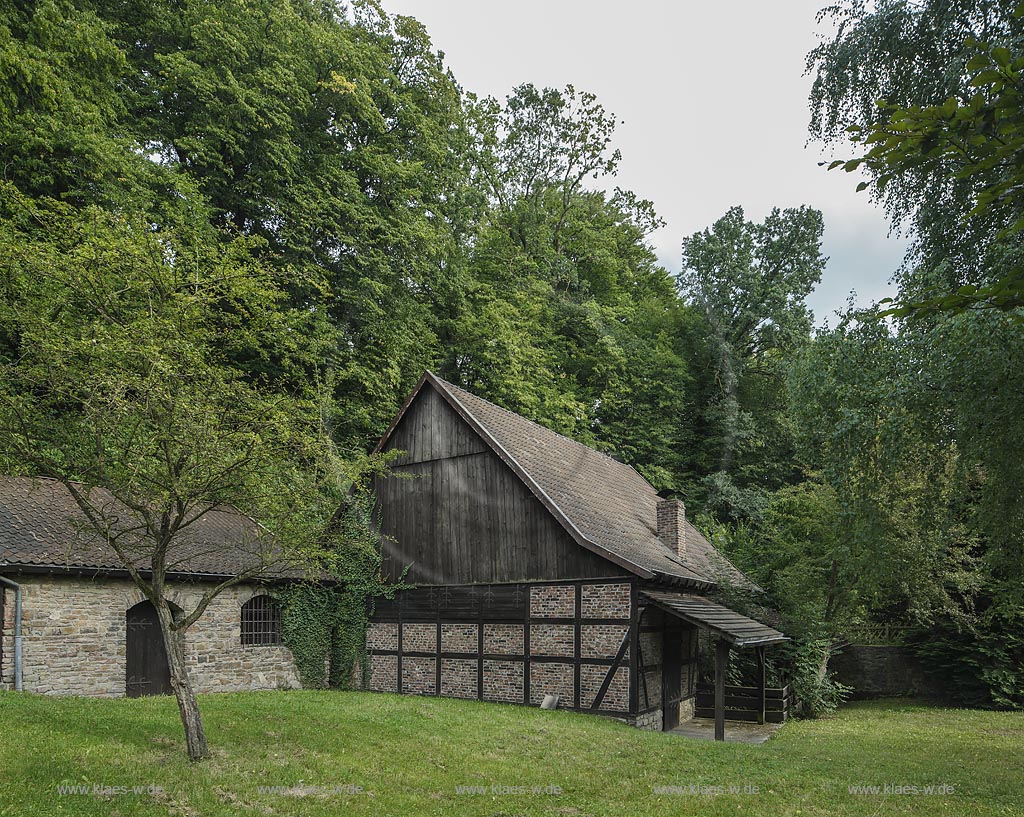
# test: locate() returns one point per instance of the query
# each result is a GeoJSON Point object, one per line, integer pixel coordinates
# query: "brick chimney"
{"type": "Point", "coordinates": [672, 524]}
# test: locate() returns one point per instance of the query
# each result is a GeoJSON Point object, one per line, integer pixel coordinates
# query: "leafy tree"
{"type": "Point", "coordinates": [159, 374]}
{"type": "Point", "coordinates": [335, 135]}
{"type": "Point", "coordinates": [60, 103]}
{"type": "Point", "coordinates": [539, 142]}
{"type": "Point", "coordinates": [979, 660]}
{"type": "Point", "coordinates": [915, 432]}
{"type": "Point", "coordinates": [977, 142]}
{"type": "Point", "coordinates": [932, 90]}
{"type": "Point", "coordinates": [750, 282]}
{"type": "Point", "coordinates": [567, 316]}
{"type": "Point", "coordinates": [800, 553]}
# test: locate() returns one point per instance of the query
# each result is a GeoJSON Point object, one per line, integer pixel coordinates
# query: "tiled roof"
{"type": "Point", "coordinates": [41, 525]}
{"type": "Point", "coordinates": [605, 500]}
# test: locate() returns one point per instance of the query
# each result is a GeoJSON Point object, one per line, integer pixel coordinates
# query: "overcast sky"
{"type": "Point", "coordinates": [712, 104]}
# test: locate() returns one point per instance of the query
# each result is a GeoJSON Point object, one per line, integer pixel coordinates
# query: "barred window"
{"type": "Point", "coordinates": [261, 621]}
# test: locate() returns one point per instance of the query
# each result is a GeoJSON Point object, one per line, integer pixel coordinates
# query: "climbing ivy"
{"type": "Point", "coordinates": [325, 622]}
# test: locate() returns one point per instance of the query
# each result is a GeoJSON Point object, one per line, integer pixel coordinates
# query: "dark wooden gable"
{"type": "Point", "coordinates": [457, 514]}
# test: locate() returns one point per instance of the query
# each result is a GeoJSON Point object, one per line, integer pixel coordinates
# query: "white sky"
{"type": "Point", "coordinates": [712, 104]}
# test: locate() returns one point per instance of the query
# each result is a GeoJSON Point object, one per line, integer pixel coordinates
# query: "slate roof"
{"type": "Point", "coordinates": [733, 627]}
{"type": "Point", "coordinates": [605, 504]}
{"type": "Point", "coordinates": [41, 526]}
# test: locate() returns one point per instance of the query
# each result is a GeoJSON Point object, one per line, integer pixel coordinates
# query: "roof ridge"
{"type": "Point", "coordinates": [544, 428]}
{"type": "Point", "coordinates": [604, 504]}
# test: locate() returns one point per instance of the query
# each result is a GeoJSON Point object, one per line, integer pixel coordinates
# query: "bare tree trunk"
{"type": "Point", "coordinates": [191, 719]}
{"type": "Point", "coordinates": [822, 672]}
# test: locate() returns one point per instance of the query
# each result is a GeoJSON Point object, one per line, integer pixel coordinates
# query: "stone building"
{"type": "Point", "coordinates": [86, 629]}
{"type": "Point", "coordinates": [541, 567]}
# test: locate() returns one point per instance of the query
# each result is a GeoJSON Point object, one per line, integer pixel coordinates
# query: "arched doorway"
{"type": "Point", "coordinates": [146, 668]}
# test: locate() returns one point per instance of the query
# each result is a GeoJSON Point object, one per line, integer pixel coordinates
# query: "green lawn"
{"type": "Point", "coordinates": [366, 754]}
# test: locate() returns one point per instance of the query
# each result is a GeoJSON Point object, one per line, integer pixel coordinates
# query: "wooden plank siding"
{"type": "Point", "coordinates": [742, 703]}
{"type": "Point", "coordinates": [456, 514]}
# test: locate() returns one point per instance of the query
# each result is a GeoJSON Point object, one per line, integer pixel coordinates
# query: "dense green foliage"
{"type": "Point", "coordinates": [419, 226]}
{"type": "Point", "coordinates": [912, 55]}
{"type": "Point", "coordinates": [917, 425]}
{"type": "Point", "coordinates": [324, 623]}
{"type": "Point", "coordinates": [749, 282]}
{"type": "Point", "coordinates": [278, 214]}
{"type": "Point", "coordinates": [972, 142]}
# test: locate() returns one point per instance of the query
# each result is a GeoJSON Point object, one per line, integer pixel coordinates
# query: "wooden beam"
{"type": "Point", "coordinates": [721, 660]}
{"type": "Point", "coordinates": [599, 698]}
{"type": "Point", "coordinates": [635, 667]}
{"type": "Point", "coordinates": [760, 684]}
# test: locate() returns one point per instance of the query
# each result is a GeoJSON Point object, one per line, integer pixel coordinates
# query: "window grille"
{"type": "Point", "coordinates": [261, 621]}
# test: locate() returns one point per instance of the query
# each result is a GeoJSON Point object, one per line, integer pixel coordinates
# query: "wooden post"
{"type": "Point", "coordinates": [721, 659]}
{"type": "Point", "coordinates": [760, 685]}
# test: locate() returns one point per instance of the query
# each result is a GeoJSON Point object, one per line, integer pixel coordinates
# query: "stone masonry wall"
{"type": "Point", "coordinates": [553, 639]}
{"type": "Point", "coordinates": [384, 673]}
{"type": "Point", "coordinates": [602, 640]}
{"type": "Point", "coordinates": [459, 637]}
{"type": "Point", "coordinates": [503, 639]}
{"type": "Point", "coordinates": [503, 681]}
{"type": "Point", "coordinates": [649, 720]}
{"type": "Point", "coordinates": [458, 677]}
{"type": "Point", "coordinates": [617, 695]}
{"type": "Point", "coordinates": [382, 635]}
{"type": "Point", "coordinates": [876, 671]}
{"type": "Point", "coordinates": [552, 679]}
{"type": "Point", "coordinates": [418, 675]}
{"type": "Point", "coordinates": [553, 601]}
{"type": "Point", "coordinates": [74, 634]}
{"type": "Point", "coordinates": [605, 601]}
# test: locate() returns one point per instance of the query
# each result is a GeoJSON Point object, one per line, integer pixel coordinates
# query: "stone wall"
{"type": "Point", "coordinates": [605, 600]}
{"type": "Point", "coordinates": [653, 623]}
{"type": "Point", "coordinates": [503, 639]}
{"type": "Point", "coordinates": [503, 681]}
{"type": "Point", "coordinates": [74, 632]}
{"type": "Point", "coordinates": [651, 721]}
{"type": "Point", "coordinates": [553, 601]}
{"type": "Point", "coordinates": [553, 639]}
{"type": "Point", "coordinates": [882, 671]}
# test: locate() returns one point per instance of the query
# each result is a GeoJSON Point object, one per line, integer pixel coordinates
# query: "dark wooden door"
{"type": "Point", "coordinates": [671, 673]}
{"type": "Point", "coordinates": [146, 668]}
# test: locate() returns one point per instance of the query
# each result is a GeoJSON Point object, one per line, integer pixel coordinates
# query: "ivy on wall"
{"type": "Point", "coordinates": [324, 623]}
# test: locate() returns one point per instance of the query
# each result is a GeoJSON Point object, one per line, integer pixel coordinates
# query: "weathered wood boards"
{"type": "Point", "coordinates": [456, 514]}
{"type": "Point", "coordinates": [742, 703]}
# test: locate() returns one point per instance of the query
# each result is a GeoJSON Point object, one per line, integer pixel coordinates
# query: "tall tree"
{"type": "Point", "coordinates": [750, 282]}
{"type": "Point", "coordinates": [569, 318]}
{"type": "Point", "coordinates": [932, 88]}
{"type": "Point", "coordinates": [976, 142]}
{"type": "Point", "coordinates": [336, 135]}
{"type": "Point", "coordinates": [60, 105]}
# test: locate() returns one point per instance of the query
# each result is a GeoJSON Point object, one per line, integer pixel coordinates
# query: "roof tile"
{"type": "Point", "coordinates": [41, 525]}
{"type": "Point", "coordinates": [607, 500]}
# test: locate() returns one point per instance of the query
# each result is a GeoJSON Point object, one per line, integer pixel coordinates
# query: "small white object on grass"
{"type": "Point", "coordinates": [549, 702]}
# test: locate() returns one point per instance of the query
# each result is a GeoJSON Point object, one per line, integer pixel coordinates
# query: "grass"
{"type": "Point", "coordinates": [408, 756]}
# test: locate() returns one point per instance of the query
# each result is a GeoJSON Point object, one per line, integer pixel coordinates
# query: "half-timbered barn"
{"type": "Point", "coordinates": [541, 567]}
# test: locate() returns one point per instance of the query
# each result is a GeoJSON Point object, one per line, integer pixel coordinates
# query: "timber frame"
{"type": "Point", "coordinates": [539, 567]}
